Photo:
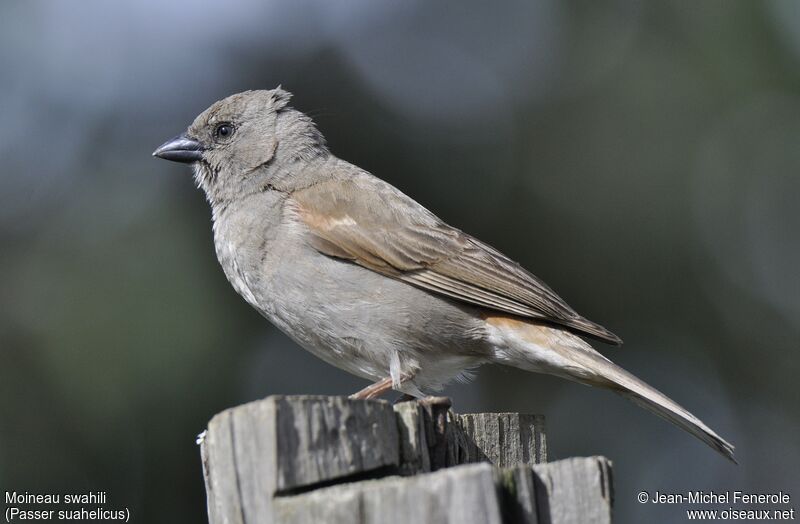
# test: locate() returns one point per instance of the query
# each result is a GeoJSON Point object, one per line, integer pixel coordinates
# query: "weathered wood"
{"type": "Point", "coordinates": [280, 444]}
{"type": "Point", "coordinates": [438, 431]}
{"type": "Point", "coordinates": [571, 491]}
{"type": "Point", "coordinates": [331, 459]}
{"type": "Point", "coordinates": [518, 495]}
{"type": "Point", "coordinates": [414, 457]}
{"type": "Point", "coordinates": [433, 437]}
{"type": "Point", "coordinates": [459, 495]}
{"type": "Point", "coordinates": [574, 490]}
{"type": "Point", "coordinates": [323, 438]}
{"type": "Point", "coordinates": [504, 439]}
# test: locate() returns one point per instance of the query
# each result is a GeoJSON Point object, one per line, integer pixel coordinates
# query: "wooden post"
{"type": "Point", "coordinates": [304, 459]}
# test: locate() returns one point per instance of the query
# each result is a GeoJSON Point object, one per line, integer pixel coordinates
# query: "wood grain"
{"type": "Point", "coordinates": [304, 459]}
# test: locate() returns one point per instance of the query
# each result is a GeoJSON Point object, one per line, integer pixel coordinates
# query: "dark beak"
{"type": "Point", "coordinates": [182, 148]}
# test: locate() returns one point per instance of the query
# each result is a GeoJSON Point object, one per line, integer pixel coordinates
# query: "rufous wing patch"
{"type": "Point", "coordinates": [527, 330]}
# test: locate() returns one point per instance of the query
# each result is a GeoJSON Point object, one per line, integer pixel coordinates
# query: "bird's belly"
{"type": "Point", "coordinates": [365, 323]}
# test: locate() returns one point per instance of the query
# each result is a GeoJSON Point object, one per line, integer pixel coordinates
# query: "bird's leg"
{"type": "Point", "coordinates": [379, 388]}
{"type": "Point", "coordinates": [373, 390]}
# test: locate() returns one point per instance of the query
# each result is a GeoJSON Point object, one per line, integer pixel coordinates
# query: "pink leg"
{"type": "Point", "coordinates": [378, 388]}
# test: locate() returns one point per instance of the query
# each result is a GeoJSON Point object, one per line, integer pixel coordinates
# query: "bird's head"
{"type": "Point", "coordinates": [242, 142]}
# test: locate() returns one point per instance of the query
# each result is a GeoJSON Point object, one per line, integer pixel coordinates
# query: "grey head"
{"type": "Point", "coordinates": [245, 142]}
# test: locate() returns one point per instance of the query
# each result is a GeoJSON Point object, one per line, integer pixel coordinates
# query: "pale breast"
{"type": "Point", "coordinates": [244, 235]}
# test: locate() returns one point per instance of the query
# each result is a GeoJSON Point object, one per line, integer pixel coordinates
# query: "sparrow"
{"type": "Point", "coordinates": [369, 280]}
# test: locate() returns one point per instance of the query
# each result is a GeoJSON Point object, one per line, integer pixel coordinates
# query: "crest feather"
{"type": "Point", "coordinates": [280, 98]}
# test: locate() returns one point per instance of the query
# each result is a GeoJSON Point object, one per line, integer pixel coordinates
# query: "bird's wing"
{"type": "Point", "coordinates": [371, 223]}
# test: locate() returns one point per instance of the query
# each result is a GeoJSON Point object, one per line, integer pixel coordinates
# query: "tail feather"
{"type": "Point", "coordinates": [605, 373]}
{"type": "Point", "coordinates": [547, 350]}
{"type": "Point", "coordinates": [653, 400]}
{"type": "Point", "coordinates": [684, 420]}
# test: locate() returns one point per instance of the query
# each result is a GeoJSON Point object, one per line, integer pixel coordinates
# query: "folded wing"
{"type": "Point", "coordinates": [369, 222]}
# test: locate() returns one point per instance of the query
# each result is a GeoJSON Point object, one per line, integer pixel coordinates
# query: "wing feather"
{"type": "Point", "coordinates": [369, 222]}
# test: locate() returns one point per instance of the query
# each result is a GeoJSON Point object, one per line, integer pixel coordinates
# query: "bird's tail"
{"type": "Point", "coordinates": [653, 400]}
{"type": "Point", "coordinates": [547, 350]}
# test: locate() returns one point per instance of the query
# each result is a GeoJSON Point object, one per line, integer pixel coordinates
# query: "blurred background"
{"type": "Point", "coordinates": [640, 157]}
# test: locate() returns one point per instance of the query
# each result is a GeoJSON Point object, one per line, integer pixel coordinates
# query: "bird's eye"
{"type": "Point", "coordinates": [224, 130]}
